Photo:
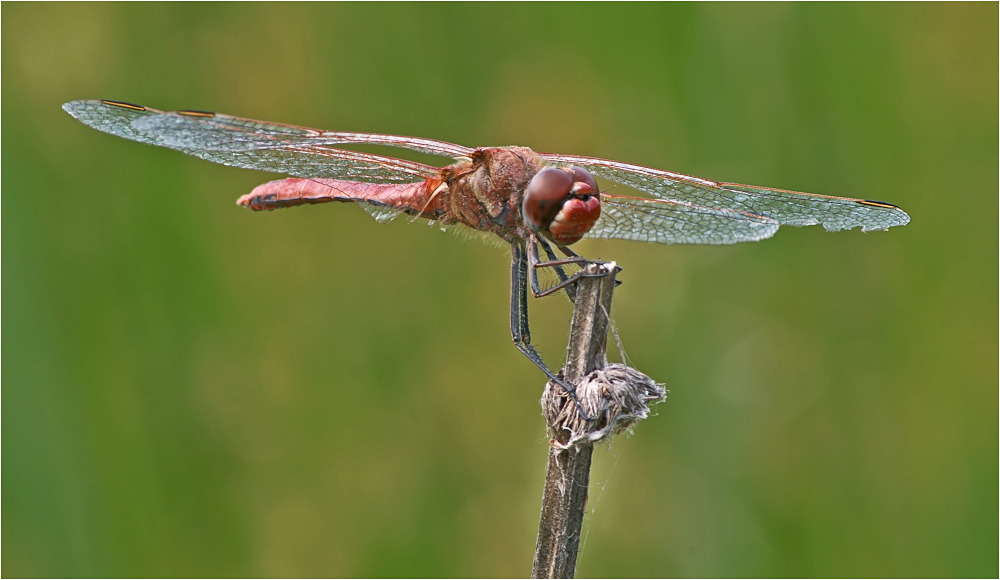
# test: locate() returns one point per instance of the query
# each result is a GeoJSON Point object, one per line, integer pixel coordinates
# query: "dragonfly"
{"type": "Point", "coordinates": [536, 202]}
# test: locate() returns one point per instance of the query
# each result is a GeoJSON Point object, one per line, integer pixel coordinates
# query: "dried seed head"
{"type": "Point", "coordinates": [616, 396]}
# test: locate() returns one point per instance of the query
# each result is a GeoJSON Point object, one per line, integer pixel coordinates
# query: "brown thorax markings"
{"type": "Point", "coordinates": [486, 192]}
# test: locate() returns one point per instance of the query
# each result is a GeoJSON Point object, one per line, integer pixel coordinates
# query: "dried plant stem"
{"type": "Point", "coordinates": [568, 475]}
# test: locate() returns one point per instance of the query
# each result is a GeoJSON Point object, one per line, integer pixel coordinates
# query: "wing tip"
{"type": "Point", "coordinates": [903, 219]}
{"type": "Point", "coordinates": [75, 108]}
{"type": "Point", "coordinates": [900, 217]}
{"type": "Point", "coordinates": [72, 107]}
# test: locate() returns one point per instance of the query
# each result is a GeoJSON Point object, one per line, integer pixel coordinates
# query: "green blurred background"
{"type": "Point", "coordinates": [193, 389]}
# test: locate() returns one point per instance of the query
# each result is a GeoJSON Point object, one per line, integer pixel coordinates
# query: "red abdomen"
{"type": "Point", "coordinates": [414, 198]}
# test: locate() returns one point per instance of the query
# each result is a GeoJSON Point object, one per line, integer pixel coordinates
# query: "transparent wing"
{"type": "Point", "coordinates": [112, 117]}
{"type": "Point", "coordinates": [250, 144]}
{"type": "Point", "coordinates": [783, 207]}
{"type": "Point", "coordinates": [225, 132]}
{"type": "Point", "coordinates": [667, 222]}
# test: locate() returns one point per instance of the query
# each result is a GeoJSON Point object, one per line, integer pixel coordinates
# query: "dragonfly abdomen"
{"type": "Point", "coordinates": [420, 199]}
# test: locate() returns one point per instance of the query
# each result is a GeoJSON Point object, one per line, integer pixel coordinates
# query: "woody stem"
{"type": "Point", "coordinates": [565, 495]}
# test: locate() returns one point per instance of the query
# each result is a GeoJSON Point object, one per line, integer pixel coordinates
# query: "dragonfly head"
{"type": "Point", "coordinates": [562, 204]}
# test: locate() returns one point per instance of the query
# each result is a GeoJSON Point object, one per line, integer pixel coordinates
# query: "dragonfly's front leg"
{"type": "Point", "coordinates": [557, 264]}
{"type": "Point", "coordinates": [560, 271]}
{"type": "Point", "coordinates": [519, 330]}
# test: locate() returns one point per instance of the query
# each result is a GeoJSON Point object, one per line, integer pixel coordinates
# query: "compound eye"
{"type": "Point", "coordinates": [545, 195]}
{"type": "Point", "coordinates": [584, 183]}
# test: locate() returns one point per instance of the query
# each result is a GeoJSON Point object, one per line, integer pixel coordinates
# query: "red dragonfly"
{"type": "Point", "coordinates": [531, 200]}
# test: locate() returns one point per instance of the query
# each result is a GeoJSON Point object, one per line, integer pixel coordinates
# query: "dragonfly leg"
{"type": "Point", "coordinates": [570, 253]}
{"type": "Point", "coordinates": [564, 281]}
{"type": "Point", "coordinates": [519, 330]}
{"type": "Point", "coordinates": [518, 297]}
{"type": "Point", "coordinates": [554, 263]}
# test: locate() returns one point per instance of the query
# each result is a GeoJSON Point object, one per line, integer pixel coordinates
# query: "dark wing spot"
{"type": "Point", "coordinates": [196, 113]}
{"type": "Point", "coordinates": [124, 105]}
{"type": "Point", "coordinates": [878, 204]}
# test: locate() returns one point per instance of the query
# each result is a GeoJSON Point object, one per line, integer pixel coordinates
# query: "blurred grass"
{"type": "Point", "coordinates": [195, 390]}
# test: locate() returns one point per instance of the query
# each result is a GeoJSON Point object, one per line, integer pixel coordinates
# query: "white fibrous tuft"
{"type": "Point", "coordinates": [616, 397]}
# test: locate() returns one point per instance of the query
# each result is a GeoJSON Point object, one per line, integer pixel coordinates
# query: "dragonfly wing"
{"type": "Point", "coordinates": [428, 146]}
{"type": "Point", "coordinates": [667, 222]}
{"type": "Point", "coordinates": [784, 207]}
{"type": "Point", "coordinates": [112, 117]}
{"type": "Point", "coordinates": [219, 131]}
{"type": "Point", "coordinates": [246, 143]}
{"type": "Point", "coordinates": [321, 162]}
{"type": "Point", "coordinates": [807, 209]}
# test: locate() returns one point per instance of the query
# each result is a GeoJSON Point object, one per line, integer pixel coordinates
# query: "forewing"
{"type": "Point", "coordinates": [112, 117]}
{"type": "Point", "coordinates": [225, 132]}
{"type": "Point", "coordinates": [784, 207]}
{"type": "Point", "coordinates": [250, 144]}
{"type": "Point", "coordinates": [667, 222]}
